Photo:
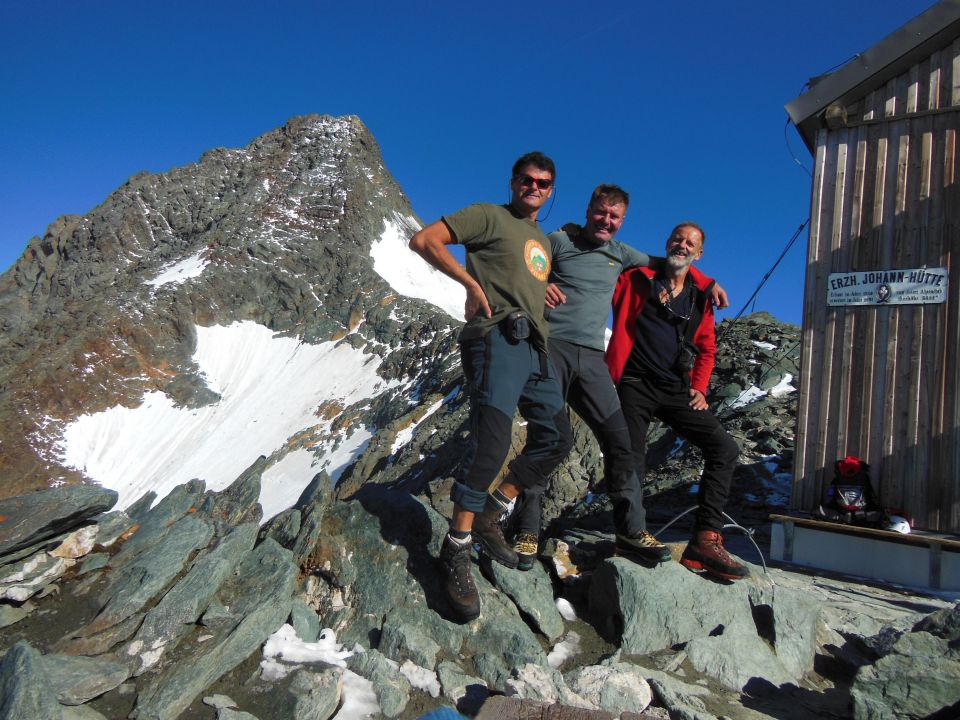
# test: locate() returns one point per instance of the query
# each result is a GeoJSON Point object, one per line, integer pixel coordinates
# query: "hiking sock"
{"type": "Point", "coordinates": [500, 499]}
{"type": "Point", "coordinates": [459, 537]}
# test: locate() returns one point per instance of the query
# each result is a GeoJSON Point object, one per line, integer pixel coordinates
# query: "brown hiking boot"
{"type": "Point", "coordinates": [489, 535]}
{"type": "Point", "coordinates": [458, 579]}
{"type": "Point", "coordinates": [705, 552]}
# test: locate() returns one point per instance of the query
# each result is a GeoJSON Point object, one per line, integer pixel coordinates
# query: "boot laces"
{"type": "Point", "coordinates": [646, 540]}
{"type": "Point", "coordinates": [526, 544]}
{"type": "Point", "coordinates": [720, 550]}
{"type": "Point", "coordinates": [458, 565]}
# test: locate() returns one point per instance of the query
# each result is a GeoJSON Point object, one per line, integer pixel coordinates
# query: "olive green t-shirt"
{"type": "Point", "coordinates": [510, 259]}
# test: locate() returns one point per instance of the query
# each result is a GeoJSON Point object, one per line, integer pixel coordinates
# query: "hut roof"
{"type": "Point", "coordinates": [873, 67]}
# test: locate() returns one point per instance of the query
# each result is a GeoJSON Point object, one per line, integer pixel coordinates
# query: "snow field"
{"type": "Point", "coordinates": [270, 390]}
{"type": "Point", "coordinates": [408, 274]}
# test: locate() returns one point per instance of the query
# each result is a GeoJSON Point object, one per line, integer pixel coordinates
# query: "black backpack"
{"type": "Point", "coordinates": [850, 497]}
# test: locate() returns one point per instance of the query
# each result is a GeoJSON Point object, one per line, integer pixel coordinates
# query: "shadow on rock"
{"type": "Point", "coordinates": [790, 702]}
{"type": "Point", "coordinates": [406, 522]}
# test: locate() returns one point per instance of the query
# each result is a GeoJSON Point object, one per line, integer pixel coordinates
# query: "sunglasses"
{"type": "Point", "coordinates": [527, 181]}
{"type": "Point", "coordinates": [670, 315]}
{"type": "Point", "coordinates": [675, 318]}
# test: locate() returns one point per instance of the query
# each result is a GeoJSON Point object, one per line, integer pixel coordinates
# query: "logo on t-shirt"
{"type": "Point", "coordinates": [537, 261]}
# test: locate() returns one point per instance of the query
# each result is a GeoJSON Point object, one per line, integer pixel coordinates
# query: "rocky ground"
{"type": "Point", "coordinates": [173, 611]}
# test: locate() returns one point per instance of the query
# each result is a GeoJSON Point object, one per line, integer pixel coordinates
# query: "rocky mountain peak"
{"type": "Point", "coordinates": [105, 308]}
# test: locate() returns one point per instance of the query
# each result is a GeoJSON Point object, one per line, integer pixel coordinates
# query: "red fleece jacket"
{"type": "Point", "coordinates": [632, 291]}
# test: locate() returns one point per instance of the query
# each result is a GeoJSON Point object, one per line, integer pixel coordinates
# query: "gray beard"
{"type": "Point", "coordinates": [679, 262]}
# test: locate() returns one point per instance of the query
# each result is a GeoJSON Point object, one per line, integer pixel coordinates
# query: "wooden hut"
{"type": "Point", "coordinates": [881, 315]}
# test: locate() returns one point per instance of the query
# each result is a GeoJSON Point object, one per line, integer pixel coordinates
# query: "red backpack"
{"type": "Point", "coordinates": [850, 497]}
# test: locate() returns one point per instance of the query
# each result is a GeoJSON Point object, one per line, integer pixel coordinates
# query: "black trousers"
{"type": "Point", "coordinates": [586, 385]}
{"type": "Point", "coordinates": [642, 400]}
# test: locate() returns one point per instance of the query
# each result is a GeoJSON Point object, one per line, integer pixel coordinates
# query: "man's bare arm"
{"type": "Point", "coordinates": [430, 243]}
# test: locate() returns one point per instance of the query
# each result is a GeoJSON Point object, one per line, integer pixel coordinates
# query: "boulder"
{"type": "Point", "coordinates": [532, 592]}
{"type": "Point", "coordinates": [467, 692]}
{"type": "Point", "coordinates": [26, 692]}
{"type": "Point", "coordinates": [258, 598]}
{"type": "Point", "coordinates": [733, 631]}
{"type": "Point", "coordinates": [238, 502]}
{"type": "Point", "coordinates": [143, 577]}
{"type": "Point", "coordinates": [618, 687]}
{"type": "Point", "coordinates": [37, 516]}
{"type": "Point", "coordinates": [182, 605]}
{"type": "Point", "coordinates": [75, 680]}
{"type": "Point", "coordinates": [392, 689]}
{"type": "Point", "coordinates": [918, 678]}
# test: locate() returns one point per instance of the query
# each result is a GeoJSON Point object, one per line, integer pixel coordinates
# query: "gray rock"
{"type": "Point", "coordinates": [75, 680]}
{"type": "Point", "coordinates": [101, 642]}
{"type": "Point", "coordinates": [216, 614]}
{"type": "Point", "coordinates": [81, 712]}
{"type": "Point", "coordinates": [238, 502]}
{"type": "Point", "coordinates": [13, 558]}
{"type": "Point", "coordinates": [305, 621]}
{"type": "Point", "coordinates": [920, 678]}
{"type": "Point", "coordinates": [736, 656]}
{"type": "Point", "coordinates": [12, 614]}
{"type": "Point", "coordinates": [219, 701]}
{"type": "Point", "coordinates": [38, 516]}
{"type": "Point", "coordinates": [662, 606]}
{"type": "Point", "coordinates": [389, 684]}
{"type": "Point", "coordinates": [317, 695]}
{"type": "Point", "coordinates": [943, 623]}
{"type": "Point", "coordinates": [313, 504]}
{"type": "Point", "coordinates": [503, 642]}
{"type": "Point", "coordinates": [154, 524]}
{"type": "Point", "coordinates": [682, 705]}
{"type": "Point", "coordinates": [112, 525]}
{"type": "Point", "coordinates": [735, 632]}
{"type": "Point", "coordinates": [142, 579]}
{"type": "Point", "coordinates": [93, 561]}
{"type": "Point", "coordinates": [228, 714]}
{"type": "Point", "coordinates": [27, 577]}
{"type": "Point", "coordinates": [388, 535]}
{"type": "Point", "coordinates": [401, 638]}
{"type": "Point", "coordinates": [532, 591]}
{"type": "Point", "coordinates": [467, 692]}
{"type": "Point", "coordinates": [183, 604]}
{"type": "Point", "coordinates": [258, 596]}
{"type": "Point", "coordinates": [536, 682]}
{"type": "Point", "coordinates": [283, 528]}
{"type": "Point", "coordinates": [618, 687]}
{"type": "Point", "coordinates": [141, 506]}
{"type": "Point", "coordinates": [795, 619]}
{"type": "Point", "coordinates": [25, 691]}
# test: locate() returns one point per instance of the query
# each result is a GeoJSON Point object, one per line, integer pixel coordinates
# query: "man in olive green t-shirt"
{"type": "Point", "coordinates": [503, 350]}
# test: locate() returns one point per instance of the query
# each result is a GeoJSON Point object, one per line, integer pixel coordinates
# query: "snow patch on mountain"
{"type": "Point", "coordinates": [272, 389]}
{"type": "Point", "coordinates": [192, 267]}
{"type": "Point", "coordinates": [408, 274]}
{"type": "Point", "coordinates": [753, 393]}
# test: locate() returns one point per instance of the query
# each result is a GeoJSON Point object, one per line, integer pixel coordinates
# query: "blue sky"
{"type": "Point", "coordinates": [680, 103]}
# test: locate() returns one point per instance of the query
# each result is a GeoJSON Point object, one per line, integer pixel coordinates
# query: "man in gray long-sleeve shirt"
{"type": "Point", "coordinates": [586, 264]}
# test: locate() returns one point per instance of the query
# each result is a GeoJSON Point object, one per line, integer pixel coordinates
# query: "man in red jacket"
{"type": "Point", "coordinates": [661, 355]}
